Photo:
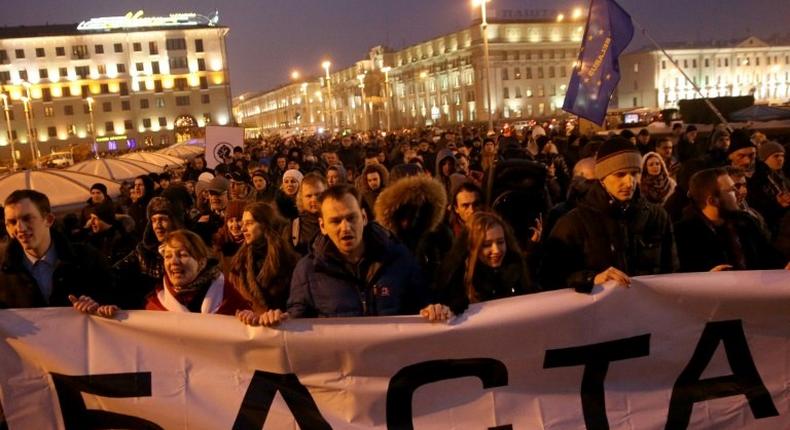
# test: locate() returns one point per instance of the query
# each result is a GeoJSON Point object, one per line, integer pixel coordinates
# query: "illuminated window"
{"type": "Point", "coordinates": [101, 69]}
{"type": "Point", "coordinates": [79, 52]}
{"type": "Point", "coordinates": [49, 112]}
{"type": "Point", "coordinates": [179, 44]}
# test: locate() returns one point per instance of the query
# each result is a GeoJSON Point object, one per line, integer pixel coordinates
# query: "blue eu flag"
{"type": "Point", "coordinates": [595, 77]}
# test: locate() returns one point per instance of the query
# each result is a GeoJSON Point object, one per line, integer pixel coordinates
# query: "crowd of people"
{"type": "Point", "coordinates": [412, 222]}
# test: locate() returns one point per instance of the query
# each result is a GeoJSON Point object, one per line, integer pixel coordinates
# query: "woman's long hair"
{"type": "Point", "coordinates": [482, 222]}
{"type": "Point", "coordinates": [270, 284]}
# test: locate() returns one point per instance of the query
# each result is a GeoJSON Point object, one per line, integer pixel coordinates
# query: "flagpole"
{"type": "Point", "coordinates": [682, 72]}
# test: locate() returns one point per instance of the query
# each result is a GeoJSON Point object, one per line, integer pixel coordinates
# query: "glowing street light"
{"type": "Point", "coordinates": [295, 75]}
{"type": "Point", "coordinates": [484, 33]}
{"type": "Point", "coordinates": [30, 131]}
{"type": "Point", "coordinates": [93, 127]}
{"type": "Point", "coordinates": [7, 110]}
{"type": "Point", "coordinates": [560, 17]}
{"type": "Point", "coordinates": [387, 95]}
{"type": "Point", "coordinates": [361, 79]}
{"type": "Point", "coordinates": [577, 13]}
{"type": "Point", "coordinates": [326, 65]}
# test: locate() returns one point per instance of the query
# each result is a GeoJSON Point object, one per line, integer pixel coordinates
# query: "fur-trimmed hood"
{"type": "Point", "coordinates": [425, 194]}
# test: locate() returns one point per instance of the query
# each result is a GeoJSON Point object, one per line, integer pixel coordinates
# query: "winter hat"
{"type": "Point", "coordinates": [739, 140]}
{"type": "Point", "coordinates": [205, 177]}
{"type": "Point", "coordinates": [100, 187]}
{"type": "Point", "coordinates": [295, 174]}
{"type": "Point", "coordinates": [616, 154]}
{"type": "Point", "coordinates": [104, 212]}
{"type": "Point", "coordinates": [235, 209]}
{"type": "Point", "coordinates": [219, 185]}
{"type": "Point", "coordinates": [163, 206]}
{"type": "Point", "coordinates": [768, 149]}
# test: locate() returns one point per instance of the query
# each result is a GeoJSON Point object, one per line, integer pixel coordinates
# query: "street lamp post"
{"type": "Point", "coordinates": [31, 126]}
{"type": "Point", "coordinates": [487, 79]}
{"type": "Point", "coordinates": [361, 79]}
{"type": "Point", "coordinates": [93, 127]}
{"type": "Point", "coordinates": [30, 134]}
{"type": "Point", "coordinates": [7, 110]}
{"type": "Point", "coordinates": [387, 96]}
{"type": "Point", "coordinates": [326, 65]}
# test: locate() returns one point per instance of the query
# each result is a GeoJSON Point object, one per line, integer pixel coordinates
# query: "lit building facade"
{"type": "Point", "coordinates": [440, 81]}
{"type": "Point", "coordinates": [121, 81]}
{"type": "Point", "coordinates": [752, 67]}
{"type": "Point", "coordinates": [296, 105]}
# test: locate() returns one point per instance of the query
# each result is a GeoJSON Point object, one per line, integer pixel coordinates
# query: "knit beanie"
{"type": "Point", "coordinates": [768, 149]}
{"type": "Point", "coordinates": [163, 206]}
{"type": "Point", "coordinates": [739, 139]}
{"type": "Point", "coordinates": [99, 186]}
{"type": "Point", "coordinates": [104, 212]}
{"type": "Point", "coordinates": [616, 154]}
{"type": "Point", "coordinates": [295, 174]}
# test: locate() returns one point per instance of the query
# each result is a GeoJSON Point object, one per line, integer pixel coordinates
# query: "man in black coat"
{"type": "Point", "coordinates": [715, 235]}
{"type": "Point", "coordinates": [39, 267]}
{"type": "Point", "coordinates": [613, 233]}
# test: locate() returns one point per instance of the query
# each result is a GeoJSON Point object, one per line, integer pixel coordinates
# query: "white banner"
{"type": "Point", "coordinates": [220, 142]}
{"type": "Point", "coordinates": [702, 351]}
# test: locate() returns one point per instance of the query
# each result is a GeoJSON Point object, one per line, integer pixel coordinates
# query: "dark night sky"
{"type": "Point", "coordinates": [268, 38]}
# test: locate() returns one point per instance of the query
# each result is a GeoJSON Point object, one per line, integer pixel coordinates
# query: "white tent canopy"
{"type": "Point", "coordinates": [116, 169]}
{"type": "Point", "coordinates": [161, 160]}
{"type": "Point", "coordinates": [64, 188]}
{"type": "Point", "coordinates": [182, 151]}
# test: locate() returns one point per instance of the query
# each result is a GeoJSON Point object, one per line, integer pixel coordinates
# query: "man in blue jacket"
{"type": "Point", "coordinates": [355, 269]}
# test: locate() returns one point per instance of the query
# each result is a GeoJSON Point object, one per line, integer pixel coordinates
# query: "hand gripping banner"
{"type": "Point", "coordinates": [684, 351]}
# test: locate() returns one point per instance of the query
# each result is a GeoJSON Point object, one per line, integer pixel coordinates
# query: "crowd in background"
{"type": "Point", "coordinates": [410, 222]}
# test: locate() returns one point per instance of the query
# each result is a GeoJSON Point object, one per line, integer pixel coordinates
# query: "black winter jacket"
{"type": "Point", "coordinates": [602, 233]}
{"type": "Point", "coordinates": [80, 271]}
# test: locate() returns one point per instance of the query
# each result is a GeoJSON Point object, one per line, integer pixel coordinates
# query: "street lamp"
{"type": "Point", "coordinates": [577, 13]}
{"type": "Point", "coordinates": [31, 126]}
{"type": "Point", "coordinates": [295, 75]}
{"type": "Point", "coordinates": [387, 96]}
{"type": "Point", "coordinates": [361, 79]}
{"type": "Point", "coordinates": [93, 127]}
{"type": "Point", "coordinates": [31, 138]}
{"type": "Point", "coordinates": [7, 110]}
{"type": "Point", "coordinates": [326, 65]}
{"type": "Point", "coordinates": [484, 33]}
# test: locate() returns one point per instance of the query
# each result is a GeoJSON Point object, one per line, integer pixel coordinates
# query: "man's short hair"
{"type": "Point", "coordinates": [704, 184]}
{"type": "Point", "coordinates": [663, 140]}
{"type": "Point", "coordinates": [735, 172]}
{"type": "Point", "coordinates": [469, 187]}
{"type": "Point", "coordinates": [39, 199]}
{"type": "Point", "coordinates": [337, 192]}
{"type": "Point", "coordinates": [313, 179]}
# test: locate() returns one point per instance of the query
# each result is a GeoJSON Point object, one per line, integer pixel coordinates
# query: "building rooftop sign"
{"type": "Point", "coordinates": [138, 21]}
